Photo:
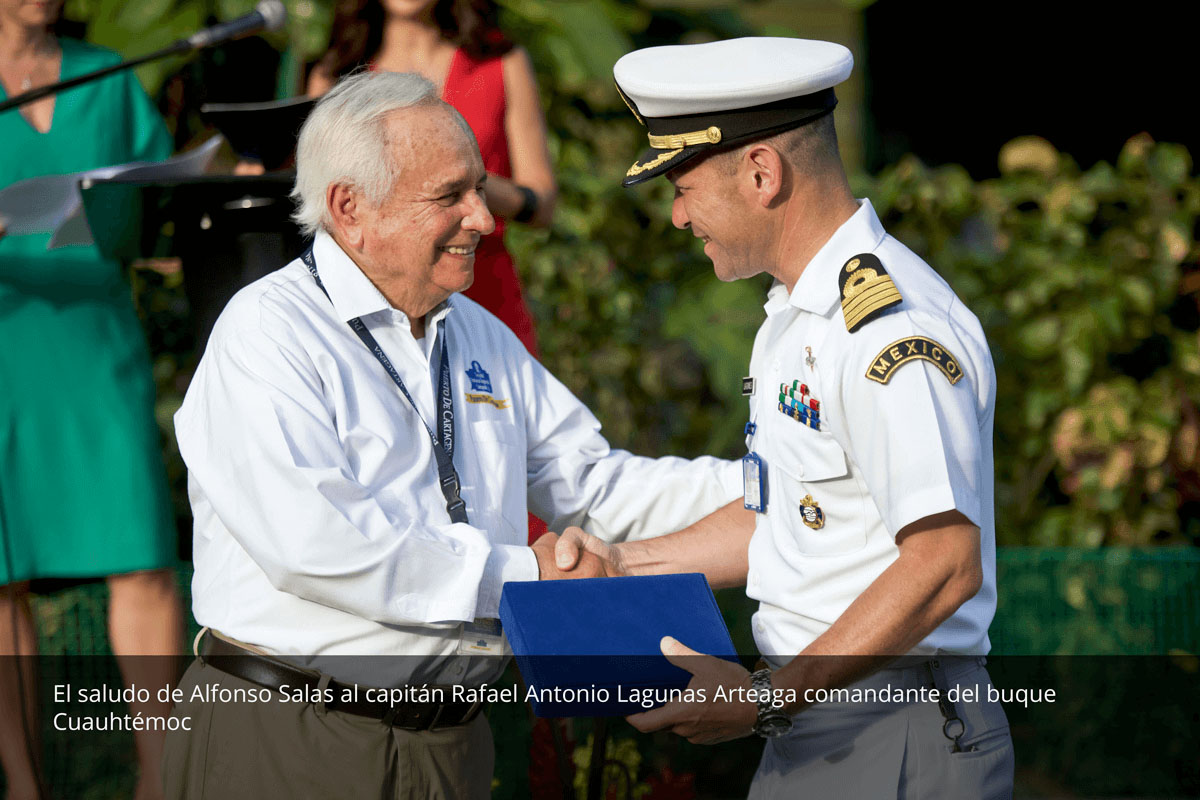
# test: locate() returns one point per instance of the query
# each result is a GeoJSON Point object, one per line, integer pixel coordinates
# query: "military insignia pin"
{"type": "Point", "coordinates": [747, 386]}
{"type": "Point", "coordinates": [814, 517]}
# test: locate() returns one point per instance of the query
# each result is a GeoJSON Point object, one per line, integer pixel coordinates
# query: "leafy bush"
{"type": "Point", "coordinates": [1075, 276]}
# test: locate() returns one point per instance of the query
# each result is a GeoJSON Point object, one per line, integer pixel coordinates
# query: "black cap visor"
{"type": "Point", "coordinates": [735, 127]}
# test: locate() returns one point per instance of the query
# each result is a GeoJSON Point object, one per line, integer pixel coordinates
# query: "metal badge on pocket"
{"type": "Point", "coordinates": [814, 517]}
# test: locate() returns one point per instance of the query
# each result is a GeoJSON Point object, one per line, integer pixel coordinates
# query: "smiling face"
{"type": "Point", "coordinates": [711, 201]}
{"type": "Point", "coordinates": [418, 245]}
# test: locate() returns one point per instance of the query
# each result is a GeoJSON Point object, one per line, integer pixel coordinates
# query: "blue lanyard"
{"type": "Point", "coordinates": [443, 436]}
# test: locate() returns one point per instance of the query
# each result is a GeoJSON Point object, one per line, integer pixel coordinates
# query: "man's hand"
{"type": "Point", "coordinates": [711, 721]}
{"type": "Point", "coordinates": [577, 547]}
{"type": "Point", "coordinates": [588, 565]}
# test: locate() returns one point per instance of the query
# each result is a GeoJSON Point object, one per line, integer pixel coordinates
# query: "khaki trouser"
{"type": "Point", "coordinates": [300, 750]}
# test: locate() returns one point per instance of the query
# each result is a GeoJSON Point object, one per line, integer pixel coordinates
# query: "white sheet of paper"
{"type": "Point", "coordinates": [38, 205]}
{"type": "Point", "coordinates": [52, 202]}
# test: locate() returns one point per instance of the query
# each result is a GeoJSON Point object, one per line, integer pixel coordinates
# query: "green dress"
{"type": "Point", "coordinates": [82, 486]}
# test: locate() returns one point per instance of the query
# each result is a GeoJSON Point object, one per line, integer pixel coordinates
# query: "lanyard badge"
{"type": "Point", "coordinates": [752, 478]}
{"type": "Point", "coordinates": [441, 436]}
{"type": "Point", "coordinates": [752, 474]}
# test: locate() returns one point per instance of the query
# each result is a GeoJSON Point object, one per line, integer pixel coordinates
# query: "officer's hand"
{"type": "Point", "coordinates": [713, 719]}
{"type": "Point", "coordinates": [574, 546]}
{"type": "Point", "coordinates": [589, 565]}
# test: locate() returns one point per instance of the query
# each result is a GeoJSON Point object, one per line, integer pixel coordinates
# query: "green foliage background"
{"type": "Point", "coordinates": [1076, 275]}
{"type": "Point", "coordinates": [1085, 281]}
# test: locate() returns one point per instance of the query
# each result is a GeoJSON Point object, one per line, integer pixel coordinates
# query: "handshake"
{"type": "Point", "coordinates": [576, 554]}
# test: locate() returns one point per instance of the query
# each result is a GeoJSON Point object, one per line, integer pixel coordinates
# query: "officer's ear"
{"type": "Point", "coordinates": [762, 166]}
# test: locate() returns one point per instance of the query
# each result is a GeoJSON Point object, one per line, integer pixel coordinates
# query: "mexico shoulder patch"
{"type": "Point", "coordinates": [913, 348]}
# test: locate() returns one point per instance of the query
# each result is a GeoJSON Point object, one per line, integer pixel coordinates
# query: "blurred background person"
{"type": "Point", "coordinates": [82, 488]}
{"type": "Point", "coordinates": [478, 70]}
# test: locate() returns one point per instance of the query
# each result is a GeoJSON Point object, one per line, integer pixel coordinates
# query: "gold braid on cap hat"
{"type": "Point", "coordinates": [638, 169]}
{"type": "Point", "coordinates": [711, 135]}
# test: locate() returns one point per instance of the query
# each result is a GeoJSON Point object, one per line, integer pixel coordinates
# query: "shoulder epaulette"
{"type": "Point", "coordinates": [867, 290]}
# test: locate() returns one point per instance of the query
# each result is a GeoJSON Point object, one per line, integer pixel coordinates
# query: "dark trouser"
{"type": "Point", "coordinates": [301, 750]}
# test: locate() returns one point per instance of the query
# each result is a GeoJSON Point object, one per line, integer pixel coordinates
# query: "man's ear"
{"type": "Point", "coordinates": [763, 167]}
{"type": "Point", "coordinates": [346, 209]}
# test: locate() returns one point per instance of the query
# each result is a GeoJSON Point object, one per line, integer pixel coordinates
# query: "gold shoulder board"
{"type": "Point", "coordinates": [867, 290]}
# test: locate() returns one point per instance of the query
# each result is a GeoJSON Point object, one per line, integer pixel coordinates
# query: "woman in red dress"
{"type": "Point", "coordinates": [456, 44]}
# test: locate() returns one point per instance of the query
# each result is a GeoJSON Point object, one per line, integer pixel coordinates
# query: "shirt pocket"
{"type": "Point", "coordinates": [816, 498]}
{"type": "Point", "coordinates": [501, 490]}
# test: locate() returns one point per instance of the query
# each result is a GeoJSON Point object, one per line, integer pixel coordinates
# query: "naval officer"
{"type": "Point", "coordinates": [866, 532]}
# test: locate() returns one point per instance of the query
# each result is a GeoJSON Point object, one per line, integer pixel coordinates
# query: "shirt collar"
{"type": "Point", "coordinates": [817, 290]}
{"type": "Point", "coordinates": [350, 291]}
{"type": "Point", "coordinates": [777, 298]}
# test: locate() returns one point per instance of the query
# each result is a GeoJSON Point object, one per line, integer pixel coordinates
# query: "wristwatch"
{"type": "Point", "coordinates": [772, 721]}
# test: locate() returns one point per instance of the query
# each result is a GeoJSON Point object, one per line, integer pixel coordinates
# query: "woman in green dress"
{"type": "Point", "coordinates": [82, 487]}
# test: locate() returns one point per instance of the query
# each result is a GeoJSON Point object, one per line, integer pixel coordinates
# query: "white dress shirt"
{"type": "Point", "coordinates": [320, 526]}
{"type": "Point", "coordinates": [885, 454]}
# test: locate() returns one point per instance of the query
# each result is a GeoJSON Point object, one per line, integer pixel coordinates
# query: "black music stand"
{"type": "Point", "coordinates": [228, 231]}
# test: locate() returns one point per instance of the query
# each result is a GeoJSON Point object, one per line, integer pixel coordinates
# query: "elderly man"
{"type": "Point", "coordinates": [361, 442]}
{"type": "Point", "coordinates": [866, 531]}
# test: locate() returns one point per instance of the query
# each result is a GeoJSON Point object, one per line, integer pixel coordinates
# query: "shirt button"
{"type": "Point", "coordinates": [759, 627]}
{"type": "Point", "coordinates": [460, 669]}
{"type": "Point", "coordinates": [754, 579]}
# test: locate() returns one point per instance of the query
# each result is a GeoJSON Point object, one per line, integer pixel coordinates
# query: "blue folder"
{"type": "Point", "coordinates": [590, 647]}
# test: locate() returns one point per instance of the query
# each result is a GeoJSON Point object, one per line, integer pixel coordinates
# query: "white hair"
{"type": "Point", "coordinates": [344, 140]}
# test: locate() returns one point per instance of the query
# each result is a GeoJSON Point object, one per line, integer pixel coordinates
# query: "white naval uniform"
{"type": "Point", "coordinates": [885, 455]}
{"type": "Point", "coordinates": [320, 527]}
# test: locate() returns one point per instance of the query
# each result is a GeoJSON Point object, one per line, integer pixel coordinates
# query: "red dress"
{"type": "Point", "coordinates": [476, 89]}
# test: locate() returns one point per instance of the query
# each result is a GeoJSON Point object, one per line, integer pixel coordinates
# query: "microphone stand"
{"type": "Point", "coordinates": [181, 46]}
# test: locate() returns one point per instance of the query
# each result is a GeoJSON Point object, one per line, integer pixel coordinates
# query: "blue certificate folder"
{"type": "Point", "coordinates": [590, 647]}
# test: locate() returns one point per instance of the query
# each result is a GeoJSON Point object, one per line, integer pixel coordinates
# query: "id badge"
{"type": "Point", "coordinates": [483, 637]}
{"type": "Point", "coordinates": [752, 469]}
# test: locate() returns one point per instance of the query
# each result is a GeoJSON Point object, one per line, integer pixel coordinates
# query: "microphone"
{"type": "Point", "coordinates": [267, 15]}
